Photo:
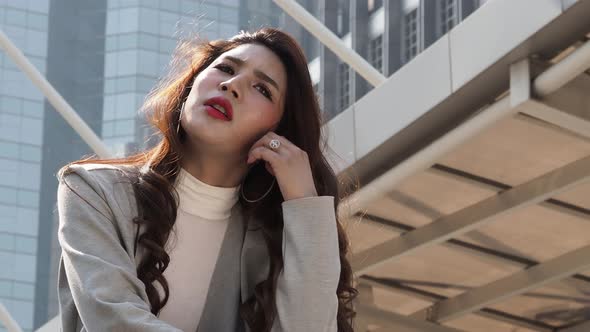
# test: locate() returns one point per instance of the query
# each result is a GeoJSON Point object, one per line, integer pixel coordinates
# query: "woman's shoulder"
{"type": "Point", "coordinates": [97, 173]}
{"type": "Point", "coordinates": [106, 186]}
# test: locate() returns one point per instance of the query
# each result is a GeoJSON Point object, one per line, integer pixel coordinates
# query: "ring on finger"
{"type": "Point", "coordinates": [274, 144]}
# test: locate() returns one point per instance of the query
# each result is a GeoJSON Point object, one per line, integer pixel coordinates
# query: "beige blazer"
{"type": "Point", "coordinates": [98, 288]}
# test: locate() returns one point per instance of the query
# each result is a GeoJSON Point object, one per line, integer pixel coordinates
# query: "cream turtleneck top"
{"type": "Point", "coordinates": [202, 218]}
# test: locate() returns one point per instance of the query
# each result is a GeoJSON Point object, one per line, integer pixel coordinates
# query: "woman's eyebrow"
{"type": "Point", "coordinates": [257, 72]}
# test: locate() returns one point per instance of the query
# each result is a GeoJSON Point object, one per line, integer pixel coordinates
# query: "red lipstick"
{"type": "Point", "coordinates": [220, 101]}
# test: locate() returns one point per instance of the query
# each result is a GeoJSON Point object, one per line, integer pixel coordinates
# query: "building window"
{"type": "Point", "coordinates": [447, 16]}
{"type": "Point", "coordinates": [343, 85]}
{"type": "Point", "coordinates": [375, 53]}
{"type": "Point", "coordinates": [410, 35]}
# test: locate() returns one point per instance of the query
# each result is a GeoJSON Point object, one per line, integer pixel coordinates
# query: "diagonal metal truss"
{"type": "Point", "coordinates": [518, 283]}
{"type": "Point", "coordinates": [471, 217]}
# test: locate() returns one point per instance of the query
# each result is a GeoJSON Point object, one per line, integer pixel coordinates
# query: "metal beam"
{"type": "Point", "coordinates": [463, 221]}
{"type": "Point", "coordinates": [557, 117]}
{"type": "Point", "coordinates": [6, 319]}
{"type": "Point", "coordinates": [582, 327]}
{"type": "Point", "coordinates": [478, 251]}
{"type": "Point", "coordinates": [488, 184]}
{"type": "Point", "coordinates": [566, 70]}
{"type": "Point", "coordinates": [56, 100]}
{"type": "Point", "coordinates": [366, 297]}
{"type": "Point", "coordinates": [549, 81]}
{"type": "Point", "coordinates": [489, 313]}
{"type": "Point", "coordinates": [501, 109]}
{"type": "Point", "coordinates": [401, 323]}
{"type": "Point", "coordinates": [518, 283]}
{"type": "Point", "coordinates": [567, 108]}
{"type": "Point", "coordinates": [331, 41]}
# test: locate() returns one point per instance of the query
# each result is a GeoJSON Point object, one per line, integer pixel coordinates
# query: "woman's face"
{"type": "Point", "coordinates": [252, 79]}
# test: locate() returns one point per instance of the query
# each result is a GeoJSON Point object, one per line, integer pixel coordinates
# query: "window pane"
{"type": "Point", "coordinates": [30, 153]}
{"type": "Point", "coordinates": [148, 20]}
{"type": "Point", "coordinates": [33, 109]}
{"type": "Point", "coordinates": [126, 62]}
{"type": "Point", "coordinates": [228, 14]}
{"type": "Point", "coordinates": [9, 125]}
{"type": "Point", "coordinates": [8, 172]}
{"type": "Point", "coordinates": [5, 288]}
{"type": "Point", "coordinates": [109, 85]}
{"type": "Point", "coordinates": [189, 6]}
{"type": "Point", "coordinates": [27, 221]}
{"type": "Point", "coordinates": [24, 267]}
{"type": "Point", "coordinates": [128, 20]}
{"type": "Point", "coordinates": [25, 244]}
{"type": "Point", "coordinates": [31, 131]}
{"type": "Point", "coordinates": [110, 64]}
{"type": "Point", "coordinates": [37, 21]}
{"type": "Point", "coordinates": [6, 243]}
{"type": "Point", "coordinates": [23, 291]}
{"type": "Point", "coordinates": [145, 84]}
{"type": "Point", "coordinates": [15, 17]}
{"type": "Point", "coordinates": [125, 84]}
{"type": "Point", "coordinates": [148, 42]}
{"type": "Point", "coordinates": [170, 5]}
{"type": "Point", "coordinates": [11, 105]}
{"type": "Point", "coordinates": [28, 198]}
{"type": "Point", "coordinates": [41, 6]}
{"type": "Point", "coordinates": [8, 150]}
{"type": "Point", "coordinates": [124, 127]}
{"type": "Point", "coordinates": [112, 22]}
{"type": "Point", "coordinates": [150, 3]}
{"type": "Point", "coordinates": [29, 175]}
{"type": "Point", "coordinates": [227, 30]}
{"type": "Point", "coordinates": [7, 195]}
{"type": "Point", "coordinates": [23, 313]}
{"type": "Point", "coordinates": [167, 45]}
{"type": "Point", "coordinates": [107, 129]}
{"type": "Point", "coordinates": [129, 3]}
{"type": "Point", "coordinates": [37, 42]}
{"type": "Point", "coordinates": [125, 106]}
{"type": "Point", "coordinates": [148, 63]}
{"type": "Point", "coordinates": [128, 41]}
{"type": "Point", "coordinates": [168, 23]}
{"type": "Point", "coordinates": [6, 259]}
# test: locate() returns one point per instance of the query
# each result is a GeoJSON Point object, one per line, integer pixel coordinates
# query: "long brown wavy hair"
{"type": "Point", "coordinates": [153, 172]}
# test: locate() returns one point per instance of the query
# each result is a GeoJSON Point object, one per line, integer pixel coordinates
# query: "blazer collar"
{"type": "Point", "coordinates": [243, 262]}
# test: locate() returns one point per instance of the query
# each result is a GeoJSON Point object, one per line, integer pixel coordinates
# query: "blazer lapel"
{"type": "Point", "coordinates": [220, 312]}
{"type": "Point", "coordinates": [254, 260]}
{"type": "Point", "coordinates": [243, 262]}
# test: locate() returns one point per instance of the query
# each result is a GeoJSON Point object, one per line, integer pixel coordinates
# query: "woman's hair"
{"type": "Point", "coordinates": [153, 172]}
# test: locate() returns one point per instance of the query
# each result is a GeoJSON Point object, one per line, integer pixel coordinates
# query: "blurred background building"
{"type": "Point", "coordinates": [105, 56]}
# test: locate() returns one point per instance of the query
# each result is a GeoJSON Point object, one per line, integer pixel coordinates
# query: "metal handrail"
{"type": "Point", "coordinates": [9, 322]}
{"type": "Point", "coordinates": [56, 100]}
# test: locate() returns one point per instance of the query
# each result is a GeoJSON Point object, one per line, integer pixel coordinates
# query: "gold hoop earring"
{"type": "Point", "coordinates": [179, 117]}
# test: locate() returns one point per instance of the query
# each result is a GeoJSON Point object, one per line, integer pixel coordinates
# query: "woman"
{"type": "Point", "coordinates": [234, 225]}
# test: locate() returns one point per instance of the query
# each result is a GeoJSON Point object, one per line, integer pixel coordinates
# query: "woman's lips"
{"type": "Point", "coordinates": [213, 112]}
{"type": "Point", "coordinates": [223, 102]}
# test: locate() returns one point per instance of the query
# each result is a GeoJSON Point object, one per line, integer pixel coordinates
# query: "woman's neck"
{"type": "Point", "coordinates": [215, 170]}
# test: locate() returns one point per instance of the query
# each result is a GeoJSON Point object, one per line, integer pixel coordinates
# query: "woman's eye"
{"type": "Point", "coordinates": [225, 68]}
{"type": "Point", "coordinates": [228, 69]}
{"type": "Point", "coordinates": [264, 91]}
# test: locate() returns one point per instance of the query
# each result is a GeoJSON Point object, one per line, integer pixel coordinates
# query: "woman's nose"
{"type": "Point", "coordinates": [226, 86]}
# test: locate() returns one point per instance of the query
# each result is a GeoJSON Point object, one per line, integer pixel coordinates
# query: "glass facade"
{"type": "Point", "coordinates": [388, 34]}
{"type": "Point", "coordinates": [411, 34]}
{"type": "Point", "coordinates": [139, 39]}
{"type": "Point", "coordinates": [21, 135]}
